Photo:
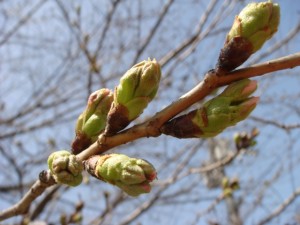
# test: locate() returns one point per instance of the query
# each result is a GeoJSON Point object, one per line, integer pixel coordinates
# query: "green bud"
{"type": "Point", "coordinates": [65, 168]}
{"type": "Point", "coordinates": [245, 140]}
{"type": "Point", "coordinates": [138, 86]}
{"type": "Point", "coordinates": [255, 24]}
{"type": "Point", "coordinates": [229, 186]}
{"type": "Point", "coordinates": [93, 120]}
{"type": "Point", "coordinates": [130, 174]}
{"type": "Point", "coordinates": [230, 107]}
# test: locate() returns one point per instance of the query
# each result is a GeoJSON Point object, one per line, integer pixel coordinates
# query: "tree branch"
{"type": "Point", "coordinates": [286, 127]}
{"type": "Point", "coordinates": [150, 128]}
{"type": "Point", "coordinates": [281, 207]}
{"type": "Point", "coordinates": [23, 205]}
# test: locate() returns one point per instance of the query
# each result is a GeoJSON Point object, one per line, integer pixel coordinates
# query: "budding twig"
{"type": "Point", "coordinates": [151, 127]}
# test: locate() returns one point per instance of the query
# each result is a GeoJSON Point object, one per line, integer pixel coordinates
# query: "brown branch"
{"type": "Point", "coordinates": [150, 128]}
{"type": "Point", "coordinates": [152, 32]}
{"type": "Point", "coordinates": [108, 20]}
{"type": "Point", "coordinates": [22, 21]}
{"type": "Point", "coordinates": [42, 205]}
{"type": "Point", "coordinates": [23, 205]}
{"type": "Point", "coordinates": [281, 207]}
{"type": "Point", "coordinates": [109, 207]}
{"type": "Point", "coordinates": [215, 165]}
{"type": "Point", "coordinates": [210, 208]}
{"type": "Point", "coordinates": [167, 58]}
{"type": "Point", "coordinates": [275, 123]}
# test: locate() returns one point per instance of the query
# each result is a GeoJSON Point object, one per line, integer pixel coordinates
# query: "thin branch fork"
{"type": "Point", "coordinates": [151, 127]}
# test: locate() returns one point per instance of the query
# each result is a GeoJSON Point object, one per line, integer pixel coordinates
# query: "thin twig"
{"type": "Point", "coordinates": [147, 204]}
{"type": "Point", "coordinates": [153, 30]}
{"type": "Point", "coordinates": [108, 20]}
{"type": "Point", "coordinates": [22, 21]}
{"type": "Point", "coordinates": [210, 208]}
{"type": "Point", "coordinates": [281, 208]}
{"type": "Point", "coordinates": [170, 55]}
{"type": "Point", "coordinates": [276, 124]}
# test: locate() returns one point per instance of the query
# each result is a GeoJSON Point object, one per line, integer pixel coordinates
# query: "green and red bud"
{"type": "Point", "coordinates": [65, 168]}
{"type": "Point", "coordinates": [255, 24]}
{"type": "Point", "coordinates": [93, 120]}
{"type": "Point", "coordinates": [230, 107]}
{"type": "Point", "coordinates": [132, 175]}
{"type": "Point", "coordinates": [138, 86]}
{"type": "Point", "coordinates": [244, 140]}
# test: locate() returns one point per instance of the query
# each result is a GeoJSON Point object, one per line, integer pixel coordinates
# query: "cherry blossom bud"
{"type": "Point", "coordinates": [137, 88]}
{"type": "Point", "coordinates": [132, 175]}
{"type": "Point", "coordinates": [255, 24]}
{"type": "Point", "coordinates": [93, 120]}
{"type": "Point", "coordinates": [65, 168]}
{"type": "Point", "coordinates": [230, 107]}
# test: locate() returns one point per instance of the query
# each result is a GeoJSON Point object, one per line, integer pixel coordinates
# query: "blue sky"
{"type": "Point", "coordinates": [35, 56]}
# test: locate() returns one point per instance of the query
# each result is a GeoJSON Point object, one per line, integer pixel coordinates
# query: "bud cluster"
{"type": "Point", "coordinates": [230, 107]}
{"type": "Point", "coordinates": [93, 119]}
{"type": "Point", "coordinates": [138, 86]}
{"type": "Point", "coordinates": [229, 186]}
{"type": "Point", "coordinates": [65, 168]}
{"type": "Point", "coordinates": [255, 24]}
{"type": "Point", "coordinates": [132, 175]}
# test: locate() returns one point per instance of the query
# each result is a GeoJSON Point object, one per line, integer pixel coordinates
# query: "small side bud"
{"type": "Point", "coordinates": [93, 120]}
{"type": "Point", "coordinates": [138, 86]}
{"type": "Point", "coordinates": [65, 168]}
{"type": "Point", "coordinates": [129, 174]}
{"type": "Point", "coordinates": [229, 186]}
{"type": "Point", "coordinates": [244, 140]}
{"type": "Point", "coordinates": [230, 107]}
{"type": "Point", "coordinates": [255, 24]}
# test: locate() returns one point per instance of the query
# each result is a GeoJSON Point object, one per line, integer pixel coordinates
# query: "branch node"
{"type": "Point", "coordinates": [46, 178]}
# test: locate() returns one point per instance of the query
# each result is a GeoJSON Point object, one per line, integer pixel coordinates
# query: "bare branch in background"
{"type": "Point", "coordinates": [22, 21]}
{"type": "Point", "coordinates": [53, 54]}
{"type": "Point", "coordinates": [281, 208]}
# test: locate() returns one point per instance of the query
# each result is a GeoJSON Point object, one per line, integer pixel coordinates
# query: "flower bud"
{"type": "Point", "coordinates": [137, 88]}
{"type": "Point", "coordinates": [255, 24]}
{"type": "Point", "coordinates": [230, 107]}
{"type": "Point", "coordinates": [244, 140]}
{"type": "Point", "coordinates": [93, 120]}
{"type": "Point", "coordinates": [229, 186]}
{"type": "Point", "coordinates": [65, 168]}
{"type": "Point", "coordinates": [130, 174]}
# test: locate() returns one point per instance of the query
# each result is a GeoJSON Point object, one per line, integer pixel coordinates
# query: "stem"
{"type": "Point", "coordinates": [150, 128]}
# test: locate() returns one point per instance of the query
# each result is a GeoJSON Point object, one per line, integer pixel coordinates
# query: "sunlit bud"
{"type": "Point", "coordinates": [230, 107]}
{"type": "Point", "coordinates": [229, 186]}
{"type": "Point", "coordinates": [245, 140]}
{"type": "Point", "coordinates": [93, 120]}
{"type": "Point", "coordinates": [255, 24]}
{"type": "Point", "coordinates": [65, 168]}
{"type": "Point", "coordinates": [138, 86]}
{"type": "Point", "coordinates": [132, 175]}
